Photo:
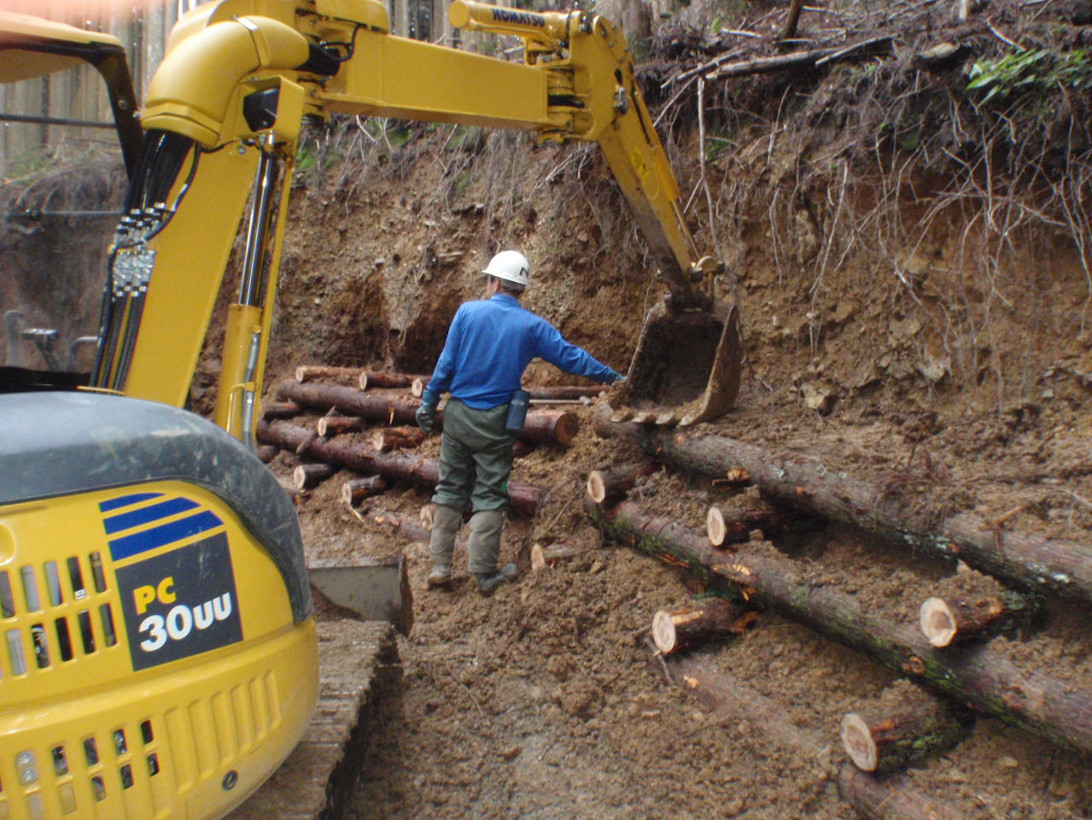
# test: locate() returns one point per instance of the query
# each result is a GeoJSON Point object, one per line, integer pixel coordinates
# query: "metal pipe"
{"type": "Point", "coordinates": [257, 230]}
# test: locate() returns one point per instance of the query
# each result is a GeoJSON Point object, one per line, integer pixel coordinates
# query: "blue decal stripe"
{"type": "Point", "coordinates": [125, 501]}
{"type": "Point", "coordinates": [130, 545]}
{"type": "Point", "coordinates": [164, 509]}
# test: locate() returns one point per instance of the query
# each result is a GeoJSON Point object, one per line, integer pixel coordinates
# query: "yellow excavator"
{"type": "Point", "coordinates": [158, 656]}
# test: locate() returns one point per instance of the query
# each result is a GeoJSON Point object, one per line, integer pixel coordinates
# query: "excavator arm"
{"type": "Point", "coordinates": [223, 117]}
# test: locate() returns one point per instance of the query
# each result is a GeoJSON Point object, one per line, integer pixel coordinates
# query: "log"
{"type": "Point", "coordinates": [732, 524]}
{"type": "Point", "coordinates": [609, 486]}
{"type": "Point", "coordinates": [392, 408]}
{"type": "Point", "coordinates": [378, 378]}
{"type": "Point", "coordinates": [312, 372]}
{"type": "Point", "coordinates": [280, 409]}
{"type": "Point", "coordinates": [545, 556]}
{"type": "Point", "coordinates": [524, 499]}
{"type": "Point", "coordinates": [307, 476]}
{"type": "Point", "coordinates": [397, 438]}
{"type": "Point", "coordinates": [893, 798]}
{"type": "Point", "coordinates": [266, 452]}
{"type": "Point", "coordinates": [888, 739]}
{"type": "Point", "coordinates": [977, 675]}
{"type": "Point", "coordinates": [681, 629]}
{"type": "Point", "coordinates": [338, 425]}
{"type": "Point", "coordinates": [1051, 567]}
{"type": "Point", "coordinates": [375, 406]}
{"type": "Point", "coordinates": [888, 799]}
{"type": "Point", "coordinates": [567, 392]}
{"type": "Point", "coordinates": [356, 490]}
{"type": "Point", "coordinates": [948, 621]}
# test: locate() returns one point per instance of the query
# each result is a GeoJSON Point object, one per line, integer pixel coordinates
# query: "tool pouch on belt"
{"type": "Point", "coordinates": [517, 411]}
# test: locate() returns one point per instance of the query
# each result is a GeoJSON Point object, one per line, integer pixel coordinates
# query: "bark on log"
{"type": "Point", "coordinates": [567, 392]}
{"type": "Point", "coordinates": [1053, 567]}
{"type": "Point", "coordinates": [888, 799]}
{"type": "Point", "coordinates": [524, 499]}
{"type": "Point", "coordinates": [891, 742]}
{"type": "Point", "coordinates": [609, 486]}
{"type": "Point", "coordinates": [280, 409]}
{"type": "Point", "coordinates": [546, 556]}
{"type": "Point", "coordinates": [731, 524]}
{"type": "Point", "coordinates": [977, 675]}
{"type": "Point", "coordinates": [394, 408]}
{"type": "Point", "coordinates": [355, 490]}
{"type": "Point", "coordinates": [312, 372]}
{"type": "Point", "coordinates": [266, 452]}
{"type": "Point", "coordinates": [680, 629]}
{"type": "Point", "coordinates": [397, 438]}
{"type": "Point", "coordinates": [377, 378]}
{"type": "Point", "coordinates": [893, 798]}
{"type": "Point", "coordinates": [307, 476]}
{"type": "Point", "coordinates": [947, 621]}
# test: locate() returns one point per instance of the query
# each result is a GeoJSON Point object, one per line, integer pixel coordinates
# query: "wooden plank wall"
{"type": "Point", "coordinates": [142, 26]}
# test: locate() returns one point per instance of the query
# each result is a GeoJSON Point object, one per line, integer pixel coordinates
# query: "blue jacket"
{"type": "Point", "coordinates": [489, 345]}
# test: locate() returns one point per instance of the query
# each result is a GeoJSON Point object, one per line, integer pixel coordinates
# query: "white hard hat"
{"type": "Point", "coordinates": [511, 266]}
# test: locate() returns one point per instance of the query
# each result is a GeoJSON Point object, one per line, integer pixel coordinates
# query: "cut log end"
{"type": "Point", "coordinates": [664, 634]}
{"type": "Point", "coordinates": [938, 622]}
{"type": "Point", "coordinates": [597, 487]}
{"type": "Point", "coordinates": [715, 526]}
{"type": "Point", "coordinates": [858, 743]}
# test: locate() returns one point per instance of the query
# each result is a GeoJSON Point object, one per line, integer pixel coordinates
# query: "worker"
{"type": "Point", "coordinates": [489, 345]}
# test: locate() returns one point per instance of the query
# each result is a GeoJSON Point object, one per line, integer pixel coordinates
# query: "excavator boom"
{"type": "Point", "coordinates": [227, 104]}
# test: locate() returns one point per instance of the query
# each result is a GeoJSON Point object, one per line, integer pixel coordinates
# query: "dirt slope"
{"type": "Point", "coordinates": [903, 323]}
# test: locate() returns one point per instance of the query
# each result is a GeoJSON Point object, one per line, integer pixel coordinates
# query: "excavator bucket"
{"type": "Point", "coordinates": [686, 368]}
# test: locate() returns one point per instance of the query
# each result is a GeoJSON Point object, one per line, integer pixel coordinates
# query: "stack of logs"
{"type": "Point", "coordinates": [948, 658]}
{"type": "Point", "coordinates": [369, 427]}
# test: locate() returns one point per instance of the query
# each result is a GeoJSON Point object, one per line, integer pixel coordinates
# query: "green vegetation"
{"type": "Point", "coordinates": [1030, 69]}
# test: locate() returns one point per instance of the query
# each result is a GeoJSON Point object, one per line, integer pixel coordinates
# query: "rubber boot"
{"type": "Point", "coordinates": [446, 522]}
{"type": "Point", "coordinates": [489, 581]}
{"type": "Point", "coordinates": [485, 540]}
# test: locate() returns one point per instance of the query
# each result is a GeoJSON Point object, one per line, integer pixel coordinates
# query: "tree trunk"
{"type": "Point", "coordinates": [977, 675]}
{"type": "Point", "coordinates": [396, 408]}
{"type": "Point", "coordinates": [266, 452]}
{"type": "Point", "coordinates": [891, 741]}
{"type": "Point", "coordinates": [1053, 567]}
{"type": "Point", "coordinates": [567, 392]}
{"type": "Point", "coordinates": [546, 556]}
{"type": "Point", "coordinates": [609, 486]}
{"type": "Point", "coordinates": [397, 438]}
{"type": "Point", "coordinates": [733, 524]}
{"type": "Point", "coordinates": [681, 629]}
{"type": "Point", "coordinates": [947, 621]}
{"type": "Point", "coordinates": [306, 476]}
{"type": "Point", "coordinates": [356, 490]}
{"type": "Point", "coordinates": [524, 499]}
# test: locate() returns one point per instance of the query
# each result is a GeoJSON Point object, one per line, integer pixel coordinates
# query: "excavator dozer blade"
{"type": "Point", "coordinates": [686, 368]}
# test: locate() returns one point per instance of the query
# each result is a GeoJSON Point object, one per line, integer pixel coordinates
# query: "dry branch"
{"type": "Point", "coordinates": [546, 556]}
{"type": "Point", "coordinates": [977, 675]}
{"type": "Point", "coordinates": [1052, 567]}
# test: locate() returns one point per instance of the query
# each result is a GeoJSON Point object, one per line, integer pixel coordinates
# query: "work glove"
{"type": "Point", "coordinates": [426, 413]}
{"type": "Point", "coordinates": [616, 377]}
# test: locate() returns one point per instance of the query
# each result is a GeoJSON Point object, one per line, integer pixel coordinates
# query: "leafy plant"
{"type": "Point", "coordinates": [1032, 67]}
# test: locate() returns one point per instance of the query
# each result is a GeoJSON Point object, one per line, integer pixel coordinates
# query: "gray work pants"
{"type": "Point", "coordinates": [475, 462]}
